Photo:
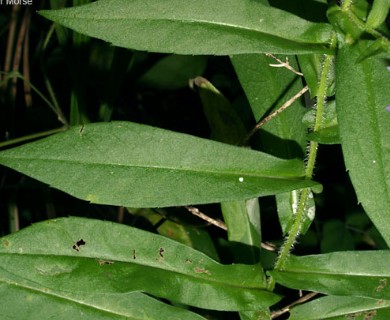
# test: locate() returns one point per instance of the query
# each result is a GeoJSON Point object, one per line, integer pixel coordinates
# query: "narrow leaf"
{"type": "Point", "coordinates": [243, 223]}
{"type": "Point", "coordinates": [128, 164]}
{"type": "Point", "coordinates": [361, 273]}
{"type": "Point", "coordinates": [74, 257]}
{"type": "Point", "coordinates": [364, 122]}
{"type": "Point", "coordinates": [22, 301]}
{"type": "Point", "coordinates": [342, 308]}
{"type": "Point", "coordinates": [219, 27]}
{"type": "Point", "coordinates": [224, 122]}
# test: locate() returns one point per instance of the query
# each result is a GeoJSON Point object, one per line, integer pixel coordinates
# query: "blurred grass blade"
{"type": "Point", "coordinates": [358, 273]}
{"type": "Point", "coordinates": [342, 308]}
{"type": "Point", "coordinates": [219, 27]}
{"type": "Point", "coordinates": [364, 122]}
{"type": "Point", "coordinates": [76, 257]}
{"type": "Point", "coordinates": [128, 164]}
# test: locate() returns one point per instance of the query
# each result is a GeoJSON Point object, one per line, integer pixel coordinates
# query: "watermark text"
{"type": "Point", "coordinates": [16, 2]}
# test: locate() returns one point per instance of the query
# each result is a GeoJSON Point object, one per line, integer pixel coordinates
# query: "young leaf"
{"type": "Point", "coordinates": [358, 273]}
{"type": "Point", "coordinates": [128, 164]}
{"type": "Point", "coordinates": [361, 100]}
{"type": "Point", "coordinates": [75, 257]}
{"type": "Point", "coordinates": [219, 27]}
{"type": "Point", "coordinates": [342, 308]}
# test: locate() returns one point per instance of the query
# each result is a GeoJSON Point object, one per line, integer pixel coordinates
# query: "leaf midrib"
{"type": "Point", "coordinates": [62, 297]}
{"type": "Point", "coordinates": [201, 22]}
{"type": "Point", "coordinates": [190, 275]}
{"type": "Point", "coordinates": [324, 272]}
{"type": "Point", "coordinates": [167, 168]}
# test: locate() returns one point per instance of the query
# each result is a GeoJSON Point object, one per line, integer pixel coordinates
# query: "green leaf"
{"type": "Point", "coordinates": [310, 65]}
{"type": "Point", "coordinates": [128, 164]}
{"type": "Point", "coordinates": [224, 122]}
{"type": "Point", "coordinates": [219, 27]}
{"type": "Point", "coordinates": [267, 88]}
{"type": "Point", "coordinates": [344, 23]}
{"type": "Point", "coordinates": [243, 223]}
{"type": "Point", "coordinates": [378, 13]}
{"type": "Point", "coordinates": [22, 301]}
{"type": "Point", "coordinates": [362, 97]}
{"type": "Point", "coordinates": [179, 230]}
{"type": "Point", "coordinates": [342, 308]}
{"type": "Point", "coordinates": [329, 135]}
{"type": "Point", "coordinates": [48, 259]}
{"type": "Point", "coordinates": [329, 132]}
{"type": "Point", "coordinates": [358, 273]}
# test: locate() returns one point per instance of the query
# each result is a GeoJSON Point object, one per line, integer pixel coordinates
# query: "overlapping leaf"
{"type": "Point", "coordinates": [358, 273]}
{"type": "Point", "coordinates": [361, 100]}
{"type": "Point", "coordinates": [219, 27]}
{"type": "Point", "coordinates": [77, 259]}
{"type": "Point", "coordinates": [128, 164]}
{"type": "Point", "coordinates": [341, 308]}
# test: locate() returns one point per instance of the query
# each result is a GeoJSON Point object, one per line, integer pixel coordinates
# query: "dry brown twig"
{"type": "Point", "coordinates": [276, 112]}
{"type": "Point", "coordinates": [282, 64]}
{"type": "Point", "coordinates": [301, 300]}
{"type": "Point", "coordinates": [198, 213]}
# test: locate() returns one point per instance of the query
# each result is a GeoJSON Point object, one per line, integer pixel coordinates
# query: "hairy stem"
{"type": "Point", "coordinates": [295, 229]}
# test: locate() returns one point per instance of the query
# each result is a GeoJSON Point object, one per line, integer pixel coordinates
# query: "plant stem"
{"type": "Point", "coordinates": [295, 229]}
{"type": "Point", "coordinates": [346, 4]}
{"type": "Point", "coordinates": [32, 136]}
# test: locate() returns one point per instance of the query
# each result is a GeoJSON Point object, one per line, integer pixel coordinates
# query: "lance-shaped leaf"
{"type": "Point", "coordinates": [73, 258]}
{"type": "Point", "coordinates": [342, 308]}
{"type": "Point", "coordinates": [128, 164]}
{"type": "Point", "coordinates": [360, 273]}
{"type": "Point", "coordinates": [21, 301]}
{"type": "Point", "coordinates": [361, 100]}
{"type": "Point", "coordinates": [219, 27]}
